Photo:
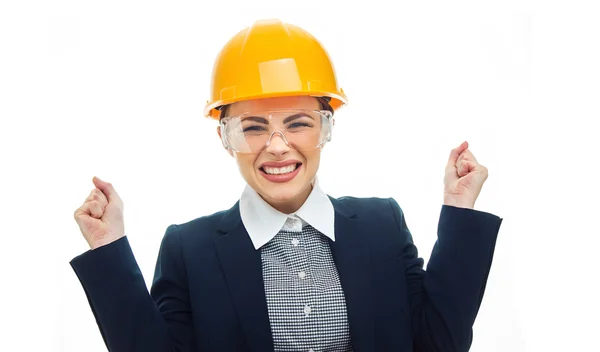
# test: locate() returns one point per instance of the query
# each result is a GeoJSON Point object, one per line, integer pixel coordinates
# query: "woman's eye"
{"type": "Point", "coordinates": [298, 125]}
{"type": "Point", "coordinates": [254, 128]}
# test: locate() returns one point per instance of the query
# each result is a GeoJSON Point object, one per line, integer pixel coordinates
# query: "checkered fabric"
{"type": "Point", "coordinates": [306, 304]}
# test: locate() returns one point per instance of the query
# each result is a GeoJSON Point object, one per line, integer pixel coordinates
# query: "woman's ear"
{"type": "Point", "coordinates": [221, 139]}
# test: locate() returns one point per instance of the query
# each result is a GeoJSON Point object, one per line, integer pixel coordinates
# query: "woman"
{"type": "Point", "coordinates": [289, 268]}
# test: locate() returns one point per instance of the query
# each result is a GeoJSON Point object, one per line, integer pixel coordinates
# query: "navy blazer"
{"type": "Point", "coordinates": [208, 293]}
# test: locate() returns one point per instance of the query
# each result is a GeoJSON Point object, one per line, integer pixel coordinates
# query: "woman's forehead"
{"type": "Point", "coordinates": [278, 103]}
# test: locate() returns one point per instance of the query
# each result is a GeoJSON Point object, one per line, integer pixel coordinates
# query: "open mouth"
{"type": "Point", "coordinates": [269, 170]}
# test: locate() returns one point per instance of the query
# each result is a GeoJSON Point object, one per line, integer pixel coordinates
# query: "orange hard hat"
{"type": "Point", "coordinates": [272, 59]}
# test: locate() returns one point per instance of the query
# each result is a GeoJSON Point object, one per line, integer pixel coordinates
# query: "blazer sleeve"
{"type": "Point", "coordinates": [445, 299]}
{"type": "Point", "coordinates": [128, 316]}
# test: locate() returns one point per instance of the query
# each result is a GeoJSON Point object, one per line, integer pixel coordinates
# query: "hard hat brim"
{"type": "Point", "coordinates": [337, 100]}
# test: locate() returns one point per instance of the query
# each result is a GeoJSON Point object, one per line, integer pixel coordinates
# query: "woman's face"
{"type": "Point", "coordinates": [285, 193]}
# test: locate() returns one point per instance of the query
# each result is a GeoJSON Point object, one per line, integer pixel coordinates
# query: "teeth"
{"type": "Point", "coordinates": [279, 170]}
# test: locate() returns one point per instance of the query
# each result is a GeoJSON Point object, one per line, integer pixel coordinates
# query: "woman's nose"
{"type": "Point", "coordinates": [277, 143]}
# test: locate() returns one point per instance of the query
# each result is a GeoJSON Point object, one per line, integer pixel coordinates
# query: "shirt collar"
{"type": "Point", "coordinates": [263, 222]}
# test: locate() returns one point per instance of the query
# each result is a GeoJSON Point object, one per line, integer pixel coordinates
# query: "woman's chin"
{"type": "Point", "coordinates": [283, 196]}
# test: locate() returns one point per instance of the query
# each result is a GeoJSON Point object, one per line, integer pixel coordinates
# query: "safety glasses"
{"type": "Point", "coordinates": [303, 130]}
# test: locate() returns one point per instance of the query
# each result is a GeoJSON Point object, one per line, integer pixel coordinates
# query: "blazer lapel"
{"type": "Point", "coordinates": [242, 268]}
{"type": "Point", "coordinates": [352, 258]}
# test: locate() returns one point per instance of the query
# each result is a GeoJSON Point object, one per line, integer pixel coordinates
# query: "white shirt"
{"type": "Point", "coordinates": [263, 222]}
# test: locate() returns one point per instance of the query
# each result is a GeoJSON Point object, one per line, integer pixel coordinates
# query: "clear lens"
{"type": "Point", "coordinates": [299, 129]}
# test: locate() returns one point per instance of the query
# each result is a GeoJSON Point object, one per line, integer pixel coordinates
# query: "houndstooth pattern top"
{"type": "Point", "coordinates": [306, 304]}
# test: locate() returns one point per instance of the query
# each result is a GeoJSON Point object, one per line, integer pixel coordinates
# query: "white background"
{"type": "Point", "coordinates": [116, 89]}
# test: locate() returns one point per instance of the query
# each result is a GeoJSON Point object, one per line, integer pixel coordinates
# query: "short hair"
{"type": "Point", "coordinates": [323, 102]}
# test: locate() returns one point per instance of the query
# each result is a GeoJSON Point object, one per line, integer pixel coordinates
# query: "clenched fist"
{"type": "Point", "coordinates": [100, 218]}
{"type": "Point", "coordinates": [464, 178]}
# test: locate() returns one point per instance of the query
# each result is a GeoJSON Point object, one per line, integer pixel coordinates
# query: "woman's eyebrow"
{"type": "Point", "coordinates": [257, 119]}
{"type": "Point", "coordinates": [296, 116]}
{"type": "Point", "coordinates": [286, 120]}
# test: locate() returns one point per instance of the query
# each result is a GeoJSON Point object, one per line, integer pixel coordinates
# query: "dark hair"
{"type": "Point", "coordinates": [323, 102]}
